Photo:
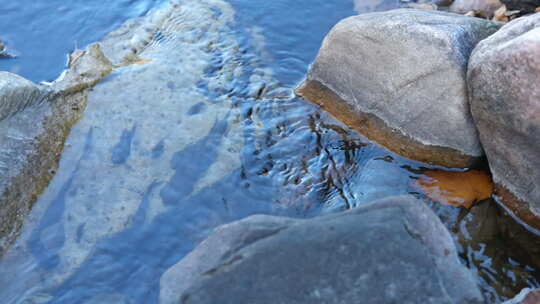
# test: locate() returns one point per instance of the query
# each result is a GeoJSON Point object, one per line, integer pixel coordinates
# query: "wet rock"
{"type": "Point", "coordinates": [3, 52]}
{"type": "Point", "coordinates": [31, 141]}
{"type": "Point", "coordinates": [504, 73]}
{"type": "Point", "coordinates": [34, 123]}
{"type": "Point", "coordinates": [330, 259]}
{"type": "Point", "coordinates": [86, 68]}
{"type": "Point", "coordinates": [16, 94]}
{"type": "Point", "coordinates": [526, 6]}
{"type": "Point", "coordinates": [484, 8]}
{"type": "Point", "coordinates": [398, 77]}
{"type": "Point", "coordinates": [100, 190]}
{"type": "Point", "coordinates": [526, 296]}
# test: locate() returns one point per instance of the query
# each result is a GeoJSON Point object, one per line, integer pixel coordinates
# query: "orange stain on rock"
{"type": "Point", "coordinates": [458, 189]}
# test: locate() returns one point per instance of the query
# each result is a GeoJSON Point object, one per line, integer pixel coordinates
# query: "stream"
{"type": "Point", "coordinates": [205, 131]}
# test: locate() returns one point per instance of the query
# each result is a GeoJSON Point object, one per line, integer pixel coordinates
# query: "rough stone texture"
{"type": "Point", "coordinates": [504, 81]}
{"type": "Point", "coordinates": [482, 7]}
{"type": "Point", "coordinates": [399, 76]}
{"type": "Point", "coordinates": [36, 122]}
{"type": "Point", "coordinates": [527, 6]}
{"type": "Point", "coordinates": [86, 68]}
{"type": "Point", "coordinates": [393, 250]}
{"type": "Point", "coordinates": [16, 94]}
{"type": "Point", "coordinates": [526, 296]}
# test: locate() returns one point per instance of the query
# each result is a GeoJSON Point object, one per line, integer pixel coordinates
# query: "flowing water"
{"type": "Point", "coordinates": [206, 131]}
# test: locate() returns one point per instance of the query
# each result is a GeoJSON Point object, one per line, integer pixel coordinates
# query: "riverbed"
{"type": "Point", "coordinates": [204, 131]}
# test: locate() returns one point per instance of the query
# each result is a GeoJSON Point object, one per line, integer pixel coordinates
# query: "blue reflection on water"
{"type": "Point", "coordinates": [42, 32]}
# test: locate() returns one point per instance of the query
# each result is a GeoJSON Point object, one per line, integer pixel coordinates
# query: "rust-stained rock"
{"type": "Point", "coordinates": [376, 129]}
{"type": "Point", "coordinates": [504, 82]}
{"type": "Point", "coordinates": [400, 77]}
{"type": "Point", "coordinates": [483, 8]}
{"type": "Point", "coordinates": [526, 296]}
{"type": "Point", "coordinates": [458, 189]}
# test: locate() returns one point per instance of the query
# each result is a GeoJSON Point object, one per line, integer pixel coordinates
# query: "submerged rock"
{"type": "Point", "coordinates": [153, 137]}
{"type": "Point", "coordinates": [504, 78]}
{"type": "Point", "coordinates": [31, 141]}
{"type": "Point", "coordinates": [458, 189]}
{"type": "Point", "coordinates": [34, 123]}
{"type": "Point", "coordinates": [398, 77]}
{"type": "Point", "coordinates": [393, 250]}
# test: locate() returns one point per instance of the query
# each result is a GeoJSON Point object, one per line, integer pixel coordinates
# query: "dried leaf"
{"type": "Point", "coordinates": [458, 189]}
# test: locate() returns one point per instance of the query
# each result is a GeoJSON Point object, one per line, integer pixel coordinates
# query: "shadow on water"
{"type": "Point", "coordinates": [294, 161]}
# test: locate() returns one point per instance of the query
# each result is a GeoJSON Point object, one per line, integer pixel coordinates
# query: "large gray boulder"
{"type": "Point", "coordinates": [504, 80]}
{"type": "Point", "coordinates": [16, 94]}
{"type": "Point", "coordinates": [398, 77]}
{"type": "Point", "coordinates": [394, 250]}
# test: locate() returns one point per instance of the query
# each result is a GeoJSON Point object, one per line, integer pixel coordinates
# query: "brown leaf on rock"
{"type": "Point", "coordinates": [458, 189]}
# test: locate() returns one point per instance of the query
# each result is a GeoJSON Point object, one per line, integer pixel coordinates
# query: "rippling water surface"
{"type": "Point", "coordinates": [205, 133]}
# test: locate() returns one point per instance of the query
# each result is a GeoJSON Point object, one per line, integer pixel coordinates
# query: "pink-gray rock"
{"type": "Point", "coordinates": [399, 78]}
{"type": "Point", "coordinates": [483, 7]}
{"type": "Point", "coordinates": [504, 81]}
{"type": "Point", "coordinates": [526, 296]}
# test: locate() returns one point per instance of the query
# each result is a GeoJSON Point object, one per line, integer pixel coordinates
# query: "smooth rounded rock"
{"type": "Point", "coordinates": [399, 78]}
{"type": "Point", "coordinates": [504, 81]}
{"type": "Point", "coordinates": [394, 250]}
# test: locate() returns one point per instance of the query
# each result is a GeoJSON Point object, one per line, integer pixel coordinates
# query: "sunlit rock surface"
{"type": "Point", "coordinates": [407, 256]}
{"type": "Point", "coordinates": [504, 78]}
{"type": "Point", "coordinates": [398, 77]}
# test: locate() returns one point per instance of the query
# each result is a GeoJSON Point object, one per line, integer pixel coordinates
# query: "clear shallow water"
{"type": "Point", "coordinates": [41, 32]}
{"type": "Point", "coordinates": [204, 134]}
